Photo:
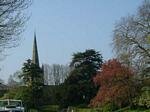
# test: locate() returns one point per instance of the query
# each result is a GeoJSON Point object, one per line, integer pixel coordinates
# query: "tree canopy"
{"type": "Point", "coordinates": [116, 85]}
{"type": "Point", "coordinates": [79, 83]}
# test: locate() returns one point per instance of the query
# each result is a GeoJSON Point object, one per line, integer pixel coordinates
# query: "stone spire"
{"type": "Point", "coordinates": [35, 57]}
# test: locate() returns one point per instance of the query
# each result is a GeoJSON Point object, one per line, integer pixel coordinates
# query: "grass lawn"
{"type": "Point", "coordinates": [50, 108]}
{"type": "Point", "coordinates": [137, 110]}
{"type": "Point", "coordinates": [47, 108]}
{"type": "Point", "coordinates": [99, 110]}
{"type": "Point", "coordinates": [54, 108]}
{"type": "Point", "coordinates": [88, 110]}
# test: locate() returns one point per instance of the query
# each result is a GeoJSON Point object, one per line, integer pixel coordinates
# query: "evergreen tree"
{"type": "Point", "coordinates": [33, 80]}
{"type": "Point", "coordinates": [80, 86]}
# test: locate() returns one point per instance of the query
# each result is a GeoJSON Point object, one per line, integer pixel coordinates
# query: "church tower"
{"type": "Point", "coordinates": [35, 57]}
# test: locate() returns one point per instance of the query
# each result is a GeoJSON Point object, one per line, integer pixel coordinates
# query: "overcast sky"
{"type": "Point", "coordinates": [64, 27]}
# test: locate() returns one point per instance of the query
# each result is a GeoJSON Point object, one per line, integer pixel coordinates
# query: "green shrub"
{"type": "Point", "coordinates": [144, 99]}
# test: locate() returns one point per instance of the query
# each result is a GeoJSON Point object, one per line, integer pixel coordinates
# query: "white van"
{"type": "Point", "coordinates": [10, 105]}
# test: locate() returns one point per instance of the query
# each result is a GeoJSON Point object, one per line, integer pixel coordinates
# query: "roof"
{"type": "Point", "coordinates": [10, 100]}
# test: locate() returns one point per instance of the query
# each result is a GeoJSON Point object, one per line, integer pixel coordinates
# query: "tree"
{"type": "Point", "coordinates": [131, 38]}
{"type": "Point", "coordinates": [12, 21]}
{"type": "Point", "coordinates": [11, 81]}
{"type": "Point", "coordinates": [32, 77]}
{"type": "Point", "coordinates": [79, 83]}
{"type": "Point", "coordinates": [117, 86]}
{"type": "Point", "coordinates": [21, 93]}
{"type": "Point", "coordinates": [2, 88]}
{"type": "Point", "coordinates": [55, 74]}
{"type": "Point", "coordinates": [14, 79]}
{"type": "Point", "coordinates": [32, 74]}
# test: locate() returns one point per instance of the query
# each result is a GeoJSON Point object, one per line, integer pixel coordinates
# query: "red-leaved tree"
{"type": "Point", "coordinates": [116, 83]}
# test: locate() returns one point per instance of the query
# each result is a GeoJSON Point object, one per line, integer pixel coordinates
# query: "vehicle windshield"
{"type": "Point", "coordinates": [15, 103]}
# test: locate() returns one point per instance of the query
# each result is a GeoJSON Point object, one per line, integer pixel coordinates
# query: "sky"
{"type": "Point", "coordinates": [64, 27]}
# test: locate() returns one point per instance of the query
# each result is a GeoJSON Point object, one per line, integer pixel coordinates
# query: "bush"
{"type": "Point", "coordinates": [10, 94]}
{"type": "Point", "coordinates": [144, 99]}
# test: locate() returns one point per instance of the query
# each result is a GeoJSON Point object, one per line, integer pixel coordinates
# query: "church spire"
{"type": "Point", "coordinates": [35, 57]}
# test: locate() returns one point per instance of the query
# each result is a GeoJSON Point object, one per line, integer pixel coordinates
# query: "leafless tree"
{"type": "Point", "coordinates": [12, 21]}
{"type": "Point", "coordinates": [131, 38]}
{"type": "Point", "coordinates": [15, 80]}
{"type": "Point", "coordinates": [55, 74]}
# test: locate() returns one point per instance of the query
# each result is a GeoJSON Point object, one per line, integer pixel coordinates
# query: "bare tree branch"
{"type": "Point", "coordinates": [130, 38]}
{"type": "Point", "coordinates": [12, 21]}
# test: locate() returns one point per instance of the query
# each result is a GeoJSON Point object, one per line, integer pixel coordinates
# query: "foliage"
{"type": "Point", "coordinates": [70, 96]}
{"type": "Point", "coordinates": [117, 86]}
{"type": "Point", "coordinates": [131, 38]}
{"type": "Point", "coordinates": [109, 107]}
{"type": "Point", "coordinates": [10, 94]}
{"type": "Point", "coordinates": [32, 91]}
{"type": "Point", "coordinates": [32, 74]}
{"type": "Point", "coordinates": [25, 94]}
{"type": "Point", "coordinates": [132, 45]}
{"type": "Point", "coordinates": [144, 99]}
{"type": "Point", "coordinates": [12, 20]}
{"type": "Point", "coordinates": [33, 79]}
{"type": "Point", "coordinates": [90, 59]}
{"type": "Point", "coordinates": [20, 93]}
{"type": "Point", "coordinates": [79, 86]}
{"type": "Point", "coordinates": [52, 94]}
